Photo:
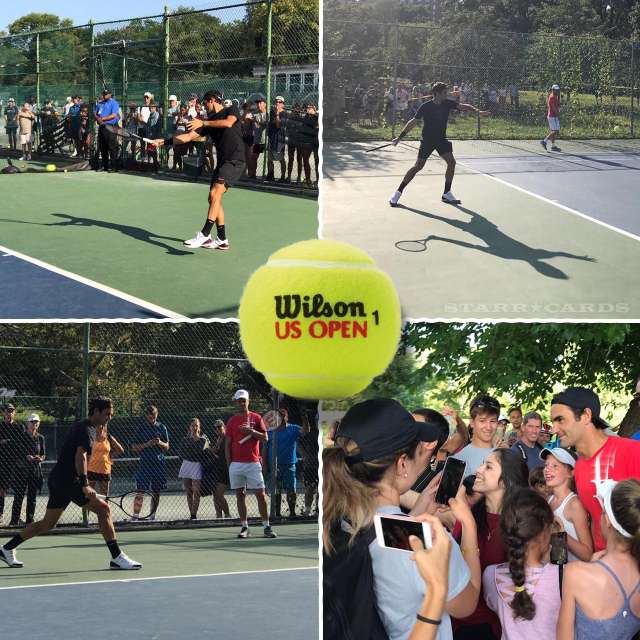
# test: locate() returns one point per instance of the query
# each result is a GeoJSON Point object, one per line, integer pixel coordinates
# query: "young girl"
{"type": "Point", "coordinates": [190, 472]}
{"type": "Point", "coordinates": [566, 506]}
{"type": "Point", "coordinates": [601, 599]}
{"type": "Point", "coordinates": [525, 591]}
{"type": "Point", "coordinates": [378, 455]}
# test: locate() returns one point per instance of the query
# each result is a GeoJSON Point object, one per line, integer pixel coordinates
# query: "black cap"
{"type": "Point", "coordinates": [581, 398]}
{"type": "Point", "coordinates": [8, 407]}
{"type": "Point", "coordinates": [106, 90]}
{"type": "Point", "coordinates": [381, 427]}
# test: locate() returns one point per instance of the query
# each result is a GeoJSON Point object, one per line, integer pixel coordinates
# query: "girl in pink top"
{"type": "Point", "coordinates": [525, 591]}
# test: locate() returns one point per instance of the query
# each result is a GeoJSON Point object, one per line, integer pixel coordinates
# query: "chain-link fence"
{"type": "Point", "coordinates": [246, 50]}
{"type": "Point", "coordinates": [376, 74]}
{"type": "Point", "coordinates": [186, 370]}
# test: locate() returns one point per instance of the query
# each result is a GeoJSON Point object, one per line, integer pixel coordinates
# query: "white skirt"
{"type": "Point", "coordinates": [190, 470]}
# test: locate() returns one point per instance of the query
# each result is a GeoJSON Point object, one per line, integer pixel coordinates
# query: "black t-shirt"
{"type": "Point", "coordinates": [28, 445]}
{"type": "Point", "coordinates": [193, 450]}
{"type": "Point", "coordinates": [9, 435]}
{"type": "Point", "coordinates": [435, 117]}
{"type": "Point", "coordinates": [308, 132]}
{"type": "Point", "coordinates": [81, 433]}
{"type": "Point", "coordinates": [228, 141]}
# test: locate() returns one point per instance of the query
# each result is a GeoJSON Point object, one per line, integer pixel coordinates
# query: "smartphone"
{"type": "Point", "coordinates": [427, 476]}
{"type": "Point", "coordinates": [392, 532]}
{"type": "Point", "coordinates": [559, 549]}
{"type": "Point", "coordinates": [452, 475]}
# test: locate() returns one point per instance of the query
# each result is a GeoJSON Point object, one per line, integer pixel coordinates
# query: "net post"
{"type": "Point", "coordinates": [92, 93]}
{"type": "Point", "coordinates": [38, 70]}
{"type": "Point", "coordinates": [268, 72]}
{"type": "Point", "coordinates": [165, 72]}
{"type": "Point", "coordinates": [395, 82]}
{"type": "Point", "coordinates": [125, 87]}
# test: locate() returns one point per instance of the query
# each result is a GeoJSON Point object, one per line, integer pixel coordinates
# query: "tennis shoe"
{"type": "Point", "coordinates": [199, 241]}
{"type": "Point", "coordinates": [125, 563]}
{"type": "Point", "coordinates": [544, 144]}
{"type": "Point", "coordinates": [269, 532]}
{"type": "Point", "coordinates": [449, 198]}
{"type": "Point", "coordinates": [9, 556]}
{"type": "Point", "coordinates": [244, 532]}
{"type": "Point", "coordinates": [393, 200]}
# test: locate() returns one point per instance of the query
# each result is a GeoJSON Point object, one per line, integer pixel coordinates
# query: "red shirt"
{"type": "Point", "coordinates": [553, 106]}
{"type": "Point", "coordinates": [492, 551]}
{"type": "Point", "coordinates": [619, 459]}
{"type": "Point", "coordinates": [248, 451]}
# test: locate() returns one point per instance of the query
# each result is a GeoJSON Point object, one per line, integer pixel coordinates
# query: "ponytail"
{"type": "Point", "coordinates": [625, 504]}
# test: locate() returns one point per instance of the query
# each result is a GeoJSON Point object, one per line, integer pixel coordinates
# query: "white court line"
{"type": "Point", "coordinates": [197, 575]}
{"type": "Point", "coordinates": [101, 287]}
{"type": "Point", "coordinates": [555, 203]}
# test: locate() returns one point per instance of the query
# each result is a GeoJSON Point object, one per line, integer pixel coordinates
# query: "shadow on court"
{"type": "Point", "coordinates": [498, 243]}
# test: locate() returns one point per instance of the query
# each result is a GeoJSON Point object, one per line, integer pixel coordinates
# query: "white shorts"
{"type": "Point", "coordinates": [25, 138]}
{"type": "Point", "coordinates": [554, 123]}
{"type": "Point", "coordinates": [246, 475]}
{"type": "Point", "coordinates": [190, 470]}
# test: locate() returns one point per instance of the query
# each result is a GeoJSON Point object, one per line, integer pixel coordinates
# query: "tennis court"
{"type": "Point", "coordinates": [203, 581]}
{"type": "Point", "coordinates": [96, 245]}
{"type": "Point", "coordinates": [538, 234]}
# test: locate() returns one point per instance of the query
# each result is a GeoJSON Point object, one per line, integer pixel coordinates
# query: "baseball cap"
{"type": "Point", "coordinates": [279, 99]}
{"type": "Point", "coordinates": [581, 398]}
{"type": "Point", "coordinates": [11, 100]}
{"type": "Point", "coordinates": [556, 87]}
{"type": "Point", "coordinates": [241, 394]}
{"type": "Point", "coordinates": [172, 97]}
{"type": "Point", "coordinates": [8, 407]}
{"type": "Point", "coordinates": [34, 417]}
{"type": "Point", "coordinates": [560, 454]}
{"type": "Point", "coordinates": [106, 90]}
{"type": "Point", "coordinates": [382, 426]}
{"type": "Point", "coordinates": [148, 94]}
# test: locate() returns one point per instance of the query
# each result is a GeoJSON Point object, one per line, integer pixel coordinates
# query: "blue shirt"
{"type": "Point", "coordinates": [636, 436]}
{"type": "Point", "coordinates": [107, 108]}
{"type": "Point", "coordinates": [287, 441]}
{"type": "Point", "coordinates": [151, 456]}
{"type": "Point", "coordinates": [531, 454]}
{"type": "Point", "coordinates": [74, 115]}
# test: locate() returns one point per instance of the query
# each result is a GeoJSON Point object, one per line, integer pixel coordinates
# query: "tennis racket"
{"type": "Point", "coordinates": [127, 503]}
{"type": "Point", "coordinates": [382, 146]}
{"type": "Point", "coordinates": [126, 135]}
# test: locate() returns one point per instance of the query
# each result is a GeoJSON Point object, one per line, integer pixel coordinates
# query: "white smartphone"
{"type": "Point", "coordinates": [392, 532]}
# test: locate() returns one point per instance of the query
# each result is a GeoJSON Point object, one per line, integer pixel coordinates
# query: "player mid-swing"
{"type": "Point", "coordinates": [435, 114]}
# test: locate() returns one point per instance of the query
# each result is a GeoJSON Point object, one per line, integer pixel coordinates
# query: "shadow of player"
{"type": "Point", "coordinates": [498, 243]}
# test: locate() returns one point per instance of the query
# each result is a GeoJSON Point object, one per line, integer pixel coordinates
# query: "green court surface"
{"type": "Point", "coordinates": [72, 558]}
{"type": "Point", "coordinates": [124, 233]}
{"type": "Point", "coordinates": [538, 235]}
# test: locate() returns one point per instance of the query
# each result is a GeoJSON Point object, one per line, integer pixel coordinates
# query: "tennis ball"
{"type": "Point", "coordinates": [51, 167]}
{"type": "Point", "coordinates": [320, 320]}
{"type": "Point", "coordinates": [65, 171]}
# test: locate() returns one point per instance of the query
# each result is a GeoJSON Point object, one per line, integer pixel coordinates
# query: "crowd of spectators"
{"type": "Point", "coordinates": [544, 533]}
{"type": "Point", "coordinates": [203, 463]}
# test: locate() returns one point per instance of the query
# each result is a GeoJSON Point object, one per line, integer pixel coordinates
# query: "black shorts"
{"type": "Point", "coordinates": [228, 173]}
{"type": "Point", "coordinates": [427, 147]}
{"type": "Point", "coordinates": [61, 494]}
{"type": "Point", "coordinates": [98, 477]}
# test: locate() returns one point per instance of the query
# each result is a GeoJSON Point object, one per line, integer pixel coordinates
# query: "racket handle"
{"type": "Point", "coordinates": [245, 439]}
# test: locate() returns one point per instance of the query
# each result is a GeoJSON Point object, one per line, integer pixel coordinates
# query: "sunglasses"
{"type": "Point", "coordinates": [485, 404]}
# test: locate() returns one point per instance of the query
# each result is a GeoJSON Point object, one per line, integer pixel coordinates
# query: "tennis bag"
{"type": "Point", "coordinates": [349, 601]}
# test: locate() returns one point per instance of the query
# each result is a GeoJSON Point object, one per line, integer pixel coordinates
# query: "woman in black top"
{"type": "Point", "coordinates": [27, 476]}
{"type": "Point", "coordinates": [308, 139]}
{"type": "Point", "coordinates": [192, 454]}
{"type": "Point", "coordinates": [216, 472]}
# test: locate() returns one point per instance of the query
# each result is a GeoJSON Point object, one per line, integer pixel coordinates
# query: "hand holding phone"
{"type": "Point", "coordinates": [452, 475]}
{"type": "Point", "coordinates": [393, 531]}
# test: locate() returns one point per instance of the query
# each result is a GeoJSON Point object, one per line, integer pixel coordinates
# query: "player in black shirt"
{"type": "Point", "coordinates": [223, 126]}
{"type": "Point", "coordinates": [68, 483]}
{"type": "Point", "coordinates": [10, 432]}
{"type": "Point", "coordinates": [435, 114]}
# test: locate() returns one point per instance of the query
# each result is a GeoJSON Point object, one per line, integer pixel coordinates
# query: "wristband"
{"type": "Point", "coordinates": [428, 620]}
{"type": "Point", "coordinates": [84, 481]}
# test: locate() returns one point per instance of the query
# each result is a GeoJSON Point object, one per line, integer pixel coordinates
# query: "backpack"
{"type": "Point", "coordinates": [349, 601]}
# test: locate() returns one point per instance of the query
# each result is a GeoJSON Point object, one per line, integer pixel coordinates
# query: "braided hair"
{"type": "Point", "coordinates": [525, 515]}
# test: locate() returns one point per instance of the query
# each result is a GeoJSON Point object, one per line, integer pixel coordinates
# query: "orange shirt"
{"type": "Point", "coordinates": [100, 461]}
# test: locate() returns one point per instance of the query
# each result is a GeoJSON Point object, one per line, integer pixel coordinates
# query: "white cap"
{"type": "Point", "coordinates": [172, 97]}
{"type": "Point", "coordinates": [241, 394]}
{"type": "Point", "coordinates": [556, 87]}
{"type": "Point", "coordinates": [227, 103]}
{"type": "Point", "coordinates": [560, 454]}
{"type": "Point", "coordinates": [69, 98]}
{"type": "Point", "coordinates": [11, 100]}
{"type": "Point", "coordinates": [279, 99]}
{"type": "Point", "coordinates": [147, 94]}
{"type": "Point", "coordinates": [603, 492]}
{"type": "Point", "coordinates": [34, 417]}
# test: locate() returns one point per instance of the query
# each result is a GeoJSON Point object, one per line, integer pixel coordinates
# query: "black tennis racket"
{"type": "Point", "coordinates": [382, 146]}
{"type": "Point", "coordinates": [128, 502]}
{"type": "Point", "coordinates": [126, 135]}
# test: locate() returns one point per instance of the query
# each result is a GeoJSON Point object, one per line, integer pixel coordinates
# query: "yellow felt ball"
{"type": "Point", "coordinates": [320, 320]}
{"type": "Point", "coordinates": [51, 167]}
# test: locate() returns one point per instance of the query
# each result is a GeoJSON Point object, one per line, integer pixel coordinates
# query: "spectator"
{"type": "Point", "coordinates": [575, 414]}
{"type": "Point", "coordinates": [308, 139]}
{"type": "Point", "coordinates": [11, 123]}
{"type": "Point", "coordinates": [244, 432]}
{"type": "Point", "coordinates": [192, 454]}
{"type": "Point", "coordinates": [258, 118]}
{"type": "Point", "coordinates": [104, 449]}
{"type": "Point", "coordinates": [527, 446]}
{"type": "Point", "coordinates": [378, 455]}
{"type": "Point", "coordinates": [180, 150]}
{"type": "Point", "coordinates": [287, 436]}
{"type": "Point", "coordinates": [309, 446]}
{"type": "Point", "coordinates": [172, 114]}
{"type": "Point", "coordinates": [524, 590]}
{"type": "Point", "coordinates": [130, 124]}
{"type": "Point", "coordinates": [152, 131]}
{"type": "Point", "coordinates": [600, 598]}
{"type": "Point", "coordinates": [497, 479]}
{"type": "Point", "coordinates": [460, 437]}
{"type": "Point", "coordinates": [537, 482]}
{"type": "Point", "coordinates": [85, 135]}
{"type": "Point", "coordinates": [293, 141]}
{"type": "Point", "coordinates": [10, 432]}
{"type": "Point", "coordinates": [193, 108]}
{"type": "Point", "coordinates": [216, 471]}
{"type": "Point", "coordinates": [514, 95]}
{"type": "Point", "coordinates": [545, 435]}
{"type": "Point", "coordinates": [515, 418]}
{"type": "Point", "coordinates": [151, 442]}
{"type": "Point", "coordinates": [485, 411]}
{"type": "Point", "coordinates": [247, 126]}
{"type": "Point", "coordinates": [107, 113]}
{"type": "Point", "coordinates": [73, 118]}
{"type": "Point", "coordinates": [276, 134]}
{"type": "Point", "coordinates": [26, 120]}
{"type": "Point", "coordinates": [143, 113]}
{"type": "Point", "coordinates": [67, 106]}
{"type": "Point", "coordinates": [566, 506]}
{"type": "Point", "coordinates": [30, 452]}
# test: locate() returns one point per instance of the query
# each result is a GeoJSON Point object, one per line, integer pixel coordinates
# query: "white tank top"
{"type": "Point", "coordinates": [568, 525]}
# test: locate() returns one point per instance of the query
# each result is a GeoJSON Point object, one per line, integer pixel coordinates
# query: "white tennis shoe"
{"type": "Point", "coordinates": [9, 556]}
{"type": "Point", "coordinates": [124, 562]}
{"type": "Point", "coordinates": [199, 241]}
{"type": "Point", "coordinates": [449, 198]}
{"type": "Point", "coordinates": [393, 200]}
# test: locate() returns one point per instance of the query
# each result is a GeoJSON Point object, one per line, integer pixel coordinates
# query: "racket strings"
{"type": "Point", "coordinates": [138, 504]}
